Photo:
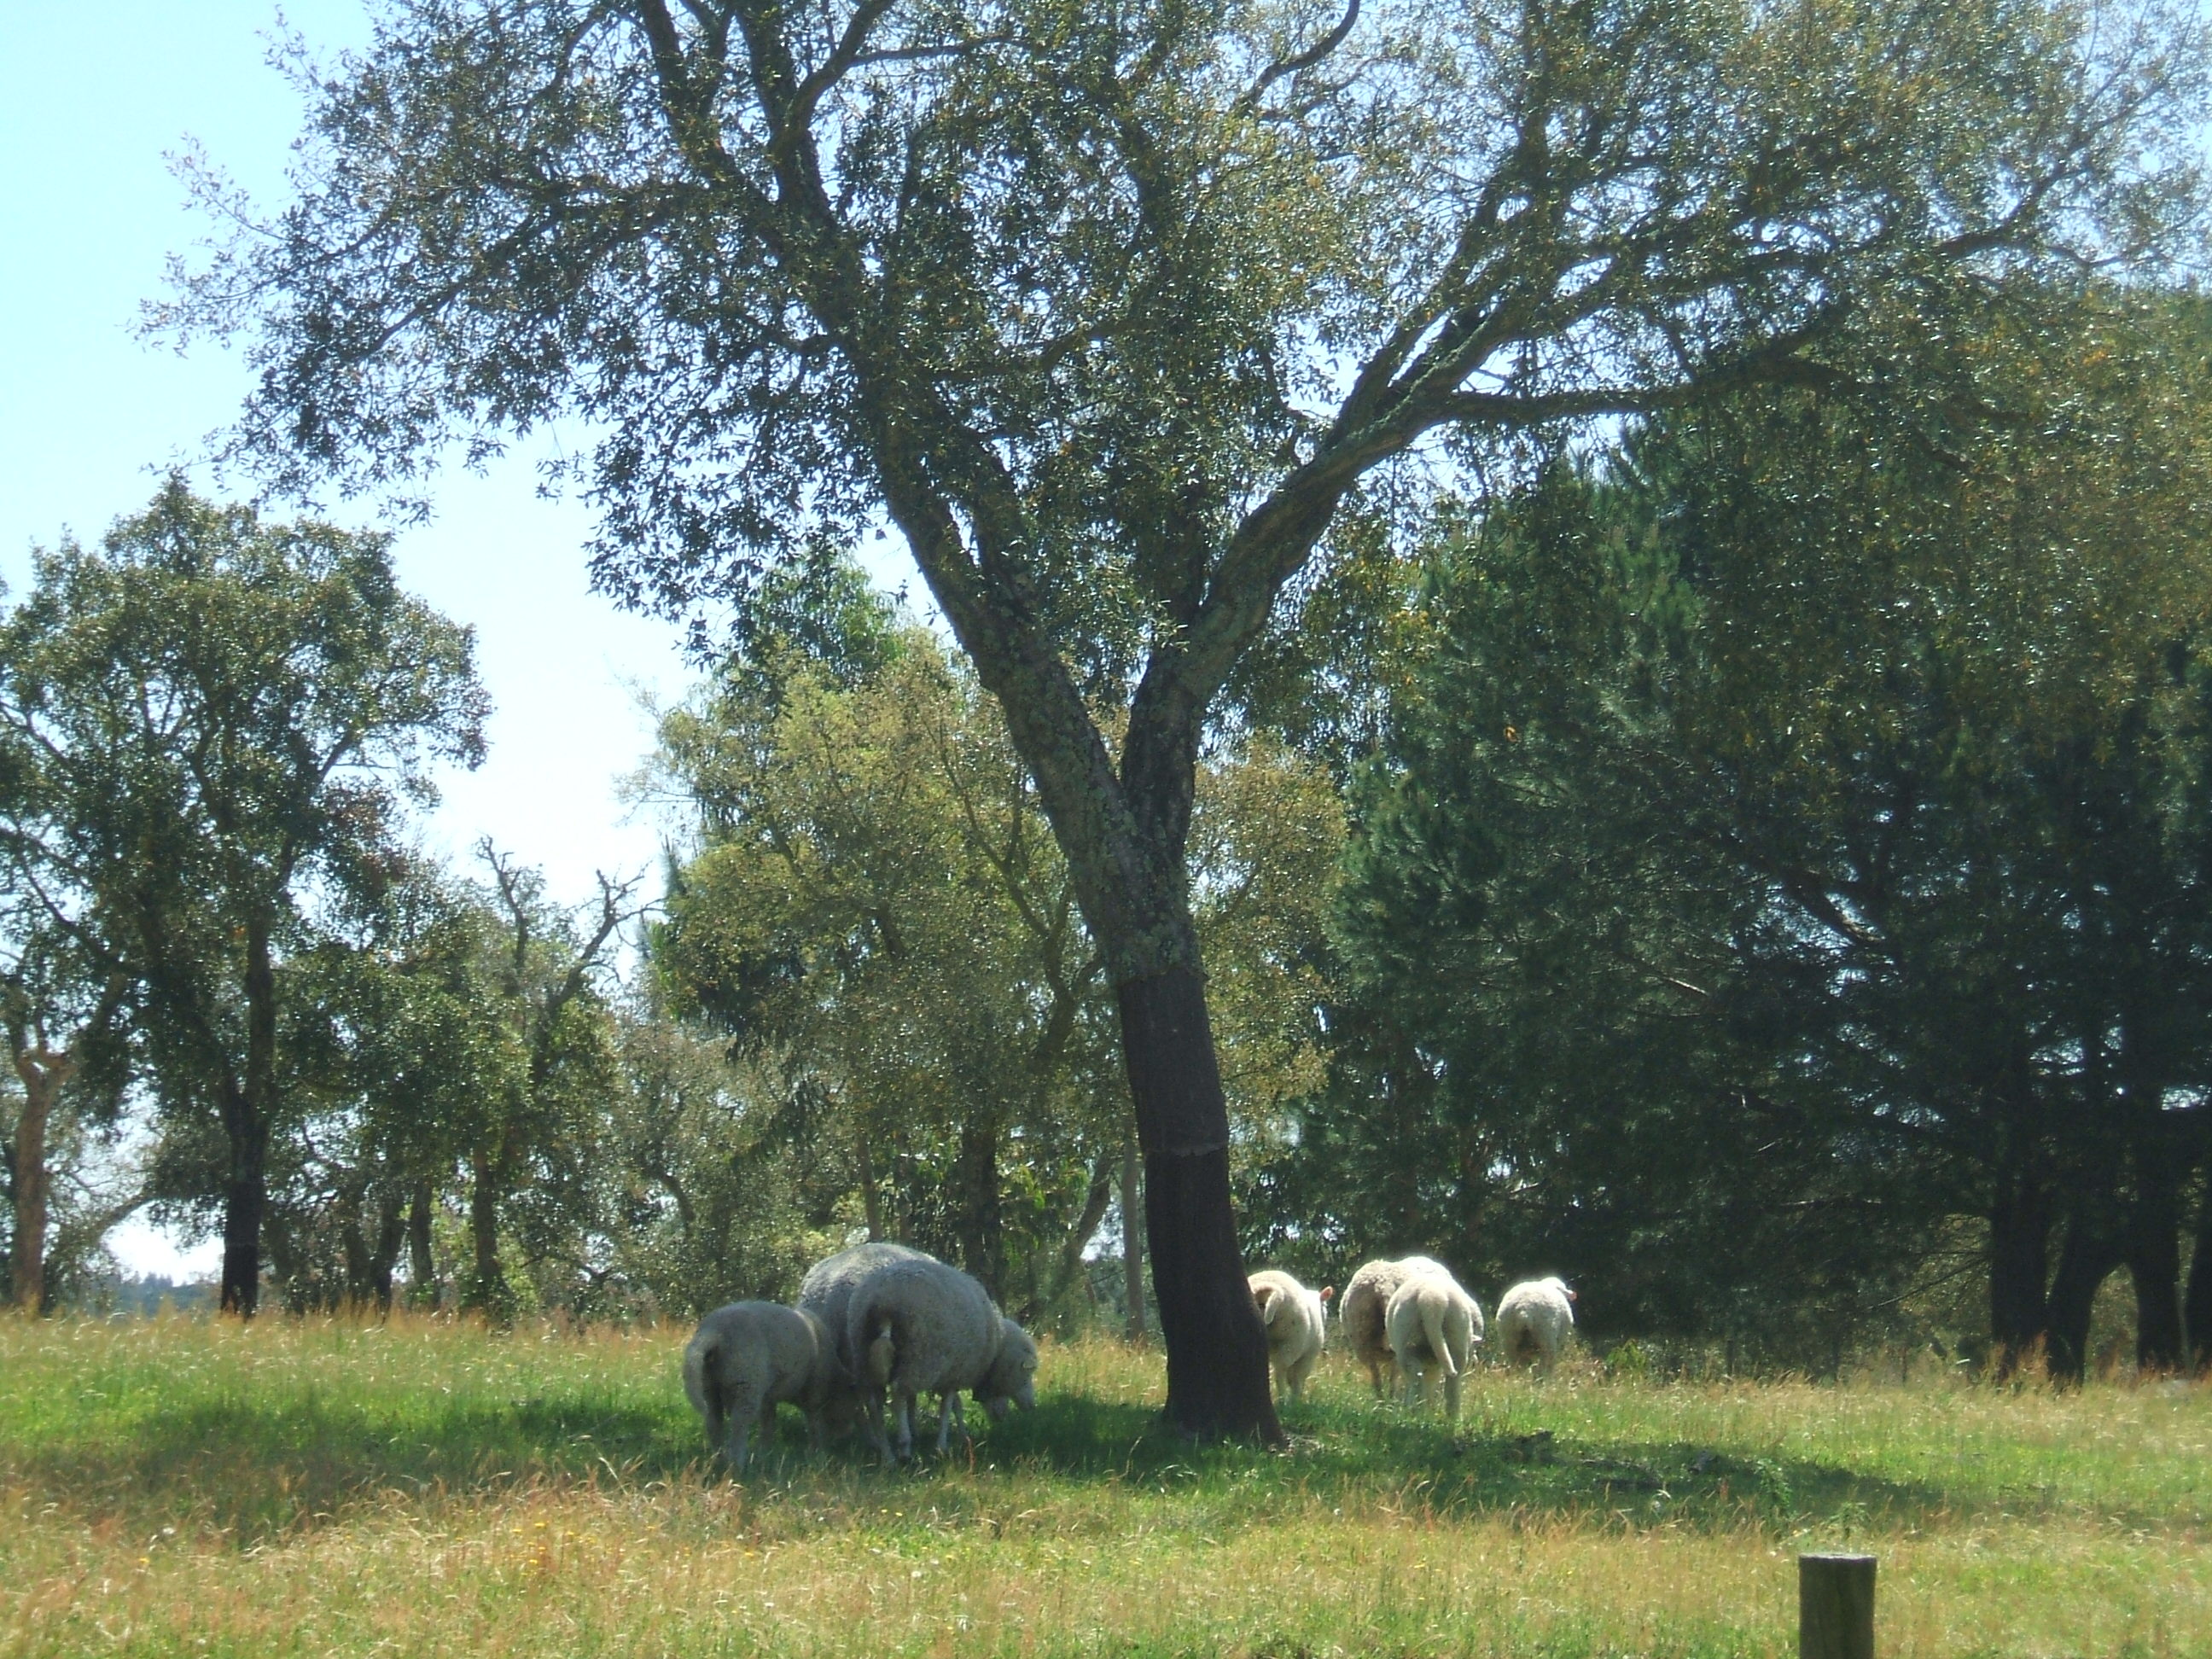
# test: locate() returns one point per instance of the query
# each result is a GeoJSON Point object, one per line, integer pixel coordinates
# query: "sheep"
{"type": "Point", "coordinates": [1361, 1308]}
{"type": "Point", "coordinates": [918, 1326]}
{"type": "Point", "coordinates": [827, 1290]}
{"type": "Point", "coordinates": [1431, 1322]}
{"type": "Point", "coordinates": [1297, 1321]}
{"type": "Point", "coordinates": [1535, 1320]}
{"type": "Point", "coordinates": [747, 1357]}
{"type": "Point", "coordinates": [1011, 1380]}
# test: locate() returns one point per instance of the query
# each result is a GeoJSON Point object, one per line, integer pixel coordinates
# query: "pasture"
{"type": "Point", "coordinates": [188, 1488]}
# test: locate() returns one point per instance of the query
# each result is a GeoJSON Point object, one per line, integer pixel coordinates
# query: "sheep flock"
{"type": "Point", "coordinates": [878, 1326]}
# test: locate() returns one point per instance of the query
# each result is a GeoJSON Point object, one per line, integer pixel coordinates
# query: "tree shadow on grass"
{"type": "Point", "coordinates": [253, 1468]}
{"type": "Point", "coordinates": [1406, 1460]}
{"type": "Point", "coordinates": [256, 1468]}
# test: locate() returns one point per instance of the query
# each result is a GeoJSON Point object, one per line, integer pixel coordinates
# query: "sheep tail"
{"type": "Point", "coordinates": [883, 1357]}
{"type": "Point", "coordinates": [1432, 1324]}
{"type": "Point", "coordinates": [698, 1368]}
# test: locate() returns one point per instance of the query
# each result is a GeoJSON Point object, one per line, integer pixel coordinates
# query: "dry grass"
{"type": "Point", "coordinates": [180, 1487]}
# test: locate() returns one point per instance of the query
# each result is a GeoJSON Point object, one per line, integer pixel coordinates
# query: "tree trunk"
{"type": "Point", "coordinates": [246, 1108]}
{"type": "Point", "coordinates": [1216, 1349]}
{"type": "Point", "coordinates": [2020, 1257]}
{"type": "Point", "coordinates": [422, 1261]}
{"type": "Point", "coordinates": [2154, 1265]}
{"type": "Point", "coordinates": [982, 1237]}
{"type": "Point", "coordinates": [2087, 1260]}
{"type": "Point", "coordinates": [391, 1233]}
{"type": "Point", "coordinates": [1096, 1198]}
{"type": "Point", "coordinates": [1133, 1241]}
{"type": "Point", "coordinates": [245, 1196]}
{"type": "Point", "coordinates": [26, 1250]}
{"type": "Point", "coordinates": [2196, 1311]}
{"type": "Point", "coordinates": [487, 1286]}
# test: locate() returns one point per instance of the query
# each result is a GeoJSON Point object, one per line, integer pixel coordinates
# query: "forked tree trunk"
{"type": "Point", "coordinates": [2087, 1260]}
{"type": "Point", "coordinates": [27, 1251]}
{"type": "Point", "coordinates": [1216, 1350]}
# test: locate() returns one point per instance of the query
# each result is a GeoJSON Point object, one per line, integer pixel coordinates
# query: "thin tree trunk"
{"type": "Point", "coordinates": [1132, 1240]}
{"type": "Point", "coordinates": [26, 1250]}
{"type": "Point", "coordinates": [1216, 1349]}
{"type": "Point", "coordinates": [1096, 1198]}
{"type": "Point", "coordinates": [871, 1200]}
{"type": "Point", "coordinates": [982, 1239]}
{"type": "Point", "coordinates": [2020, 1258]}
{"type": "Point", "coordinates": [422, 1261]}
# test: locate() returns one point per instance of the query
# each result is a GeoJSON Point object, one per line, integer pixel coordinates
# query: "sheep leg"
{"type": "Point", "coordinates": [944, 1421]}
{"type": "Point", "coordinates": [873, 1399]}
{"type": "Point", "coordinates": [717, 1424]}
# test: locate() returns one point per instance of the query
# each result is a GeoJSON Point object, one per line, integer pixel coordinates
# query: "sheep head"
{"type": "Point", "coordinates": [1011, 1380]}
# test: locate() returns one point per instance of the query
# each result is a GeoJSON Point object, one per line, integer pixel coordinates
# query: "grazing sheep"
{"type": "Point", "coordinates": [1432, 1322]}
{"type": "Point", "coordinates": [1011, 1380]}
{"type": "Point", "coordinates": [1361, 1309]}
{"type": "Point", "coordinates": [920, 1327]}
{"type": "Point", "coordinates": [1535, 1320]}
{"type": "Point", "coordinates": [827, 1290]}
{"type": "Point", "coordinates": [1297, 1320]}
{"type": "Point", "coordinates": [748, 1357]}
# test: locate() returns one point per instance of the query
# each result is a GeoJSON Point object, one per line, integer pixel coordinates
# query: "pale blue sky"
{"type": "Point", "coordinates": [92, 101]}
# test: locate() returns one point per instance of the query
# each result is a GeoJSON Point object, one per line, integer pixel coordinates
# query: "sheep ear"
{"type": "Point", "coordinates": [1326, 1291]}
{"type": "Point", "coordinates": [1571, 1296]}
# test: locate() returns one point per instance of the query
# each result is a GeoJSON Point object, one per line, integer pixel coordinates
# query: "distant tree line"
{"type": "Point", "coordinates": [241, 996]}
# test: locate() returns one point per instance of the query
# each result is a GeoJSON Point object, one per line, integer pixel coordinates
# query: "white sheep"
{"type": "Point", "coordinates": [748, 1357]}
{"type": "Point", "coordinates": [1535, 1321]}
{"type": "Point", "coordinates": [921, 1327]}
{"type": "Point", "coordinates": [1433, 1323]}
{"type": "Point", "coordinates": [1361, 1310]}
{"type": "Point", "coordinates": [827, 1290]}
{"type": "Point", "coordinates": [1011, 1380]}
{"type": "Point", "coordinates": [1297, 1321]}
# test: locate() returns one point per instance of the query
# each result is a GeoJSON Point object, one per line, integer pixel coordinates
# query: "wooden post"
{"type": "Point", "coordinates": [1835, 1607]}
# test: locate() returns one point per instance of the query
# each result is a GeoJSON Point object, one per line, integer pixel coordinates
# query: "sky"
{"type": "Point", "coordinates": [93, 102]}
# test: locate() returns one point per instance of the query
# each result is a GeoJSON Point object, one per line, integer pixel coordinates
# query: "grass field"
{"type": "Point", "coordinates": [196, 1488]}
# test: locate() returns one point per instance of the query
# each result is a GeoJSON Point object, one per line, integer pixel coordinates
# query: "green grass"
{"type": "Point", "coordinates": [190, 1488]}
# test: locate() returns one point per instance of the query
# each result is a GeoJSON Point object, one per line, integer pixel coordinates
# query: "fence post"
{"type": "Point", "coordinates": [1835, 1607]}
